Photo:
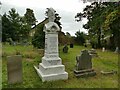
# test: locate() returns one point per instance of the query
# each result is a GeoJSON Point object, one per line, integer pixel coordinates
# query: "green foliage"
{"type": "Point", "coordinates": [80, 38]}
{"type": "Point", "coordinates": [11, 25]}
{"type": "Point", "coordinates": [6, 28]}
{"type": "Point", "coordinates": [29, 17]}
{"type": "Point", "coordinates": [17, 27]}
{"type": "Point", "coordinates": [101, 17]}
{"type": "Point", "coordinates": [39, 37]}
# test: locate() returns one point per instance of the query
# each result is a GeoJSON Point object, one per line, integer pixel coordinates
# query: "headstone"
{"type": "Point", "coordinates": [51, 67]}
{"type": "Point", "coordinates": [84, 65]}
{"type": "Point", "coordinates": [11, 42]}
{"type": "Point", "coordinates": [65, 49]}
{"type": "Point", "coordinates": [103, 49]}
{"type": "Point", "coordinates": [93, 53]}
{"type": "Point", "coordinates": [14, 69]}
{"type": "Point", "coordinates": [71, 45]}
{"type": "Point", "coordinates": [116, 50]}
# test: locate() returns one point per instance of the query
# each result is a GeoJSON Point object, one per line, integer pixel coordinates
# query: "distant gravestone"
{"type": "Point", "coordinates": [71, 45]}
{"type": "Point", "coordinates": [103, 49]}
{"type": "Point", "coordinates": [116, 50]}
{"type": "Point", "coordinates": [84, 65]}
{"type": "Point", "coordinates": [11, 42]}
{"type": "Point", "coordinates": [93, 53]}
{"type": "Point", "coordinates": [65, 49]}
{"type": "Point", "coordinates": [14, 69]}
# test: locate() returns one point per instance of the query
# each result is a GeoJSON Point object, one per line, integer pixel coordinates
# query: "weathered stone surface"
{"type": "Point", "coordinates": [51, 67]}
{"type": "Point", "coordinates": [108, 72]}
{"type": "Point", "coordinates": [84, 65]}
{"type": "Point", "coordinates": [14, 69]}
{"type": "Point", "coordinates": [93, 53]}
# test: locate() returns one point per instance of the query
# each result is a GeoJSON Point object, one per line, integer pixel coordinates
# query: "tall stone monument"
{"type": "Point", "coordinates": [51, 67]}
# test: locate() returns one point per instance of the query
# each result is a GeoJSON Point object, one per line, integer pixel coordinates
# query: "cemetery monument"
{"type": "Point", "coordinates": [84, 65]}
{"type": "Point", "coordinates": [51, 67]}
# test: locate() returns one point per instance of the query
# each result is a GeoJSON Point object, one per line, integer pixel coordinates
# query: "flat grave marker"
{"type": "Point", "coordinates": [14, 69]}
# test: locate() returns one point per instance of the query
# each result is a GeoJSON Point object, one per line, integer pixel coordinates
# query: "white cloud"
{"type": "Point", "coordinates": [67, 9]}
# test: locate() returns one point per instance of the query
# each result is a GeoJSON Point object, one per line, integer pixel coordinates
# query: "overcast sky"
{"type": "Point", "coordinates": [67, 9]}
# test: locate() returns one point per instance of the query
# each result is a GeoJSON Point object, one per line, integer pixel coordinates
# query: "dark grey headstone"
{"type": "Point", "coordinates": [71, 45]}
{"type": "Point", "coordinates": [65, 49]}
{"type": "Point", "coordinates": [84, 65]}
{"type": "Point", "coordinates": [84, 61]}
{"type": "Point", "coordinates": [14, 69]}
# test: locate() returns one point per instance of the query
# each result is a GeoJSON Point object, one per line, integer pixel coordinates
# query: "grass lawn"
{"type": "Point", "coordinates": [106, 61]}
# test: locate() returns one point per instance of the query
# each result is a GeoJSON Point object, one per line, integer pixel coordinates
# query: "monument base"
{"type": "Point", "coordinates": [84, 73]}
{"type": "Point", "coordinates": [51, 73]}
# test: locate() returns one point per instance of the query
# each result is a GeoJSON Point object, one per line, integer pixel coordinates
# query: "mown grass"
{"type": "Point", "coordinates": [106, 61]}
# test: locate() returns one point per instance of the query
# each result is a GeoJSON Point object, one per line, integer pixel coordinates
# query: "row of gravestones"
{"type": "Point", "coordinates": [14, 66]}
{"type": "Point", "coordinates": [83, 66]}
{"type": "Point", "coordinates": [92, 51]}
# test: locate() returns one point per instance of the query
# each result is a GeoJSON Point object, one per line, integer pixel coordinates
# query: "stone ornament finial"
{"type": "Point", "coordinates": [51, 14]}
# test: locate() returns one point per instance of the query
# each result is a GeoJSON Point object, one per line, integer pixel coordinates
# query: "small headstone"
{"type": "Point", "coordinates": [11, 42]}
{"type": "Point", "coordinates": [93, 53]}
{"type": "Point", "coordinates": [71, 45]}
{"type": "Point", "coordinates": [116, 50]}
{"type": "Point", "coordinates": [103, 49]}
{"type": "Point", "coordinates": [14, 69]}
{"type": "Point", "coordinates": [84, 65]}
{"type": "Point", "coordinates": [65, 49]}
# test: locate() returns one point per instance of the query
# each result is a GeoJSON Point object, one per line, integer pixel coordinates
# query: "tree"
{"type": "Point", "coordinates": [96, 14]}
{"type": "Point", "coordinates": [38, 40]}
{"type": "Point", "coordinates": [7, 31]}
{"type": "Point", "coordinates": [29, 17]}
{"type": "Point", "coordinates": [13, 25]}
{"type": "Point", "coordinates": [25, 29]}
{"type": "Point", "coordinates": [112, 23]}
{"type": "Point", "coordinates": [80, 37]}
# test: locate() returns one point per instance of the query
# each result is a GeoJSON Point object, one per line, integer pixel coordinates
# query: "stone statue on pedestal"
{"type": "Point", "coordinates": [51, 67]}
